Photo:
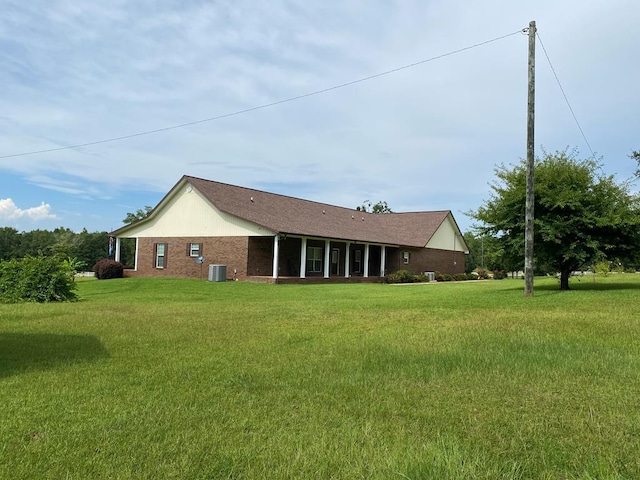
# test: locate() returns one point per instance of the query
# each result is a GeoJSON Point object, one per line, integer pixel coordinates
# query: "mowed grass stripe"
{"type": "Point", "coordinates": [155, 378]}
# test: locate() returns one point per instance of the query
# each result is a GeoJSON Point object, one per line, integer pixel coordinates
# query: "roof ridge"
{"type": "Point", "coordinates": [275, 194]}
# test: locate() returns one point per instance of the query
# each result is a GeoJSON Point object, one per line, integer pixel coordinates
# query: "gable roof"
{"type": "Point", "coordinates": [288, 215]}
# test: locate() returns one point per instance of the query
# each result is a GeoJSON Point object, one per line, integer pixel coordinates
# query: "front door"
{"type": "Point", "coordinates": [335, 261]}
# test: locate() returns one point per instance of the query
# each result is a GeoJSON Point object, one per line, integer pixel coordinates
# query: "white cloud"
{"type": "Point", "coordinates": [10, 211]}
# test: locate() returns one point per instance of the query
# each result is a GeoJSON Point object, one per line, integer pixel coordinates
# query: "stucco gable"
{"type": "Point", "coordinates": [448, 237]}
{"type": "Point", "coordinates": [185, 211]}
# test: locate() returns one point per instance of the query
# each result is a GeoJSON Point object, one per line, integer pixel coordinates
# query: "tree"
{"type": "Point", "coordinates": [380, 207]}
{"type": "Point", "coordinates": [138, 215]}
{"type": "Point", "coordinates": [84, 247]}
{"type": "Point", "coordinates": [91, 247]}
{"type": "Point", "coordinates": [485, 252]}
{"type": "Point", "coordinates": [635, 155]}
{"type": "Point", "coordinates": [65, 243]}
{"type": "Point", "coordinates": [36, 242]}
{"type": "Point", "coordinates": [581, 215]}
{"type": "Point", "coordinates": [9, 243]}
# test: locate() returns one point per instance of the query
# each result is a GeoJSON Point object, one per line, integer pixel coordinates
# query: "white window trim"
{"type": "Point", "coordinates": [159, 256]}
{"type": "Point", "coordinates": [314, 257]}
{"type": "Point", "coordinates": [197, 249]}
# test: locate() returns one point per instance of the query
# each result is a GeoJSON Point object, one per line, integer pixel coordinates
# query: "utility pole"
{"type": "Point", "coordinates": [528, 233]}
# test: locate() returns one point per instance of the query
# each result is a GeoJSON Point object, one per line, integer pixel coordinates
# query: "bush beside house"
{"type": "Point", "coordinates": [36, 279]}
{"type": "Point", "coordinates": [107, 268]}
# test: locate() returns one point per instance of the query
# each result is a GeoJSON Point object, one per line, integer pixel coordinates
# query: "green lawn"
{"type": "Point", "coordinates": [186, 379]}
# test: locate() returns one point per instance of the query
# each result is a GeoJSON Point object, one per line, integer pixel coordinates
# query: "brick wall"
{"type": "Point", "coordinates": [229, 251]}
{"type": "Point", "coordinates": [253, 256]}
{"type": "Point", "coordinates": [426, 260]}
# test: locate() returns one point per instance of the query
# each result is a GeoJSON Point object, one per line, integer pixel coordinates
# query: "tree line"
{"type": "Point", "coordinates": [85, 248]}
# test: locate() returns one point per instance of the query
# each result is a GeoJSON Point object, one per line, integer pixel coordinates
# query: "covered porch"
{"type": "Point", "coordinates": [300, 259]}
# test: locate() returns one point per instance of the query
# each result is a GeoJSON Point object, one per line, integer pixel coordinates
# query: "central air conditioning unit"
{"type": "Point", "coordinates": [431, 276]}
{"type": "Point", "coordinates": [217, 273]}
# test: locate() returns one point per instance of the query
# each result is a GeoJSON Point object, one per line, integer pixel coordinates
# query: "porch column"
{"type": "Point", "coordinates": [347, 260]}
{"type": "Point", "coordinates": [276, 253]}
{"type": "Point", "coordinates": [327, 253]}
{"type": "Point", "coordinates": [383, 252]}
{"type": "Point", "coordinates": [366, 260]}
{"type": "Point", "coordinates": [117, 257]}
{"type": "Point", "coordinates": [303, 258]}
{"type": "Point", "coordinates": [135, 261]}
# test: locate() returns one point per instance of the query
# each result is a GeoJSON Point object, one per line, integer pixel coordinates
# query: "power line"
{"type": "Point", "coordinates": [266, 105]}
{"type": "Point", "coordinates": [565, 96]}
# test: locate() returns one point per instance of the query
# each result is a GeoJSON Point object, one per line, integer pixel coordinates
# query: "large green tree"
{"type": "Point", "coordinates": [137, 215]}
{"type": "Point", "coordinates": [581, 214]}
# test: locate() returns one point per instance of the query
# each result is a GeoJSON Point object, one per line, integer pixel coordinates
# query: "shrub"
{"type": "Point", "coordinates": [392, 278]}
{"type": "Point", "coordinates": [107, 268]}
{"type": "Point", "coordinates": [460, 277]}
{"type": "Point", "coordinates": [602, 268]}
{"type": "Point", "coordinates": [405, 276]}
{"type": "Point", "coordinates": [483, 274]}
{"type": "Point", "coordinates": [443, 277]}
{"type": "Point", "coordinates": [36, 279]}
{"type": "Point", "coordinates": [499, 274]}
{"type": "Point", "coordinates": [74, 264]}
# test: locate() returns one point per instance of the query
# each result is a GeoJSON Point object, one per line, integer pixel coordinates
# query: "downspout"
{"type": "Point", "coordinates": [455, 236]}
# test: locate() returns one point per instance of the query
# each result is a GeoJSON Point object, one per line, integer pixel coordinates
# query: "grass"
{"type": "Point", "coordinates": [184, 379]}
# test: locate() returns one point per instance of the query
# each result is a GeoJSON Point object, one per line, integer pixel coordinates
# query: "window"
{"type": "Point", "coordinates": [405, 257]}
{"type": "Point", "coordinates": [357, 261]}
{"type": "Point", "coordinates": [194, 249]}
{"type": "Point", "coordinates": [314, 259]}
{"type": "Point", "coordinates": [161, 249]}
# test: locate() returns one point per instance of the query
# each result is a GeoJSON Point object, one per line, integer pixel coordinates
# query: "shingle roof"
{"type": "Point", "coordinates": [289, 215]}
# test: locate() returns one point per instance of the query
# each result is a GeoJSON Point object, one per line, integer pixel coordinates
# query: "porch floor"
{"type": "Point", "coordinates": [312, 280]}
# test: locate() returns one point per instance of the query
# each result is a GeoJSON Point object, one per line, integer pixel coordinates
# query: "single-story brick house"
{"type": "Point", "coordinates": [265, 236]}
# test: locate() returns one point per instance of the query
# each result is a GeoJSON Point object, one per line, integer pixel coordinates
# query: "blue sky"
{"type": "Point", "coordinates": [424, 138]}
